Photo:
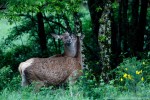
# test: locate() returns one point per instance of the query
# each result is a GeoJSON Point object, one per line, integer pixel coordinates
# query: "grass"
{"type": "Point", "coordinates": [85, 89]}
{"type": "Point", "coordinates": [76, 92]}
{"type": "Point", "coordinates": [46, 94]}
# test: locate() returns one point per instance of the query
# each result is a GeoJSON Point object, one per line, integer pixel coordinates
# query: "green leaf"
{"type": "Point", "coordinates": [102, 38]}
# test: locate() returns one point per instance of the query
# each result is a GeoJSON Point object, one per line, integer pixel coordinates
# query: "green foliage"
{"type": "Point", "coordinates": [17, 9]}
{"type": "Point", "coordinates": [19, 54]}
{"type": "Point", "coordinates": [130, 73]}
{"type": "Point", "coordinates": [87, 84]}
{"type": "Point", "coordinates": [5, 73]}
{"type": "Point", "coordinates": [102, 38]}
{"type": "Point", "coordinates": [1, 58]}
{"type": "Point", "coordinates": [84, 89]}
{"type": "Point", "coordinates": [146, 69]}
{"type": "Point", "coordinates": [115, 5]}
{"type": "Point", "coordinates": [15, 83]}
{"type": "Point", "coordinates": [25, 27]}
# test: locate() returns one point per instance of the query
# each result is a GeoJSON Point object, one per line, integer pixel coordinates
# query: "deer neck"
{"type": "Point", "coordinates": [79, 51]}
{"type": "Point", "coordinates": [71, 50]}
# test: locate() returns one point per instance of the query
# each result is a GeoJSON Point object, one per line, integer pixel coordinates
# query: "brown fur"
{"type": "Point", "coordinates": [53, 70]}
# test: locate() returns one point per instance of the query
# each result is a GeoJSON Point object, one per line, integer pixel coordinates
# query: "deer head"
{"type": "Point", "coordinates": [70, 43]}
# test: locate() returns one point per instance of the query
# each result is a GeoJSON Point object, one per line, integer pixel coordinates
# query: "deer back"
{"type": "Point", "coordinates": [52, 71]}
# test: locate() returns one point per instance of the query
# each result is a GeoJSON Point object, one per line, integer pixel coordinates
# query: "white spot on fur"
{"type": "Point", "coordinates": [26, 64]}
{"type": "Point", "coordinates": [22, 68]}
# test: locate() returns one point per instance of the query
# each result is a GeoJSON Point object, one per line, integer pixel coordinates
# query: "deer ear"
{"type": "Point", "coordinates": [56, 36]}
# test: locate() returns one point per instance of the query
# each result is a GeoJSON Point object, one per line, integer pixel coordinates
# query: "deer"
{"type": "Point", "coordinates": [55, 70]}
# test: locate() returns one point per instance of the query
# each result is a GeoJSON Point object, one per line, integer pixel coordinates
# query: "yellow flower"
{"type": "Point", "coordinates": [129, 76]}
{"type": "Point", "coordinates": [137, 72]}
{"type": "Point", "coordinates": [121, 79]}
{"type": "Point", "coordinates": [126, 68]}
{"type": "Point", "coordinates": [143, 63]}
{"type": "Point", "coordinates": [142, 79]}
{"type": "Point", "coordinates": [125, 75]}
{"type": "Point", "coordinates": [140, 71]}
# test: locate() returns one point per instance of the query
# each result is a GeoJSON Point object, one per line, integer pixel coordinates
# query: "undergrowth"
{"type": "Point", "coordinates": [78, 91]}
{"type": "Point", "coordinates": [86, 88]}
{"type": "Point", "coordinates": [107, 91]}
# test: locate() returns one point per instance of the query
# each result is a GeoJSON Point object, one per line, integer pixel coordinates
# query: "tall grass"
{"type": "Point", "coordinates": [78, 91]}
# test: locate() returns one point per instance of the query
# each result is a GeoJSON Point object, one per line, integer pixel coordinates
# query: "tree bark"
{"type": "Point", "coordinates": [141, 26]}
{"type": "Point", "coordinates": [95, 16]}
{"type": "Point", "coordinates": [120, 21]}
{"type": "Point", "coordinates": [41, 33]}
{"type": "Point", "coordinates": [114, 43]}
{"type": "Point", "coordinates": [125, 26]}
{"type": "Point", "coordinates": [96, 9]}
{"type": "Point", "coordinates": [119, 35]}
{"type": "Point", "coordinates": [133, 27]}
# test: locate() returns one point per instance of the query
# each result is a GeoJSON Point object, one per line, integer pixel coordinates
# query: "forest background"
{"type": "Point", "coordinates": [116, 45]}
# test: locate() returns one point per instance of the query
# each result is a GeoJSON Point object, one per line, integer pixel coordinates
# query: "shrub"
{"type": "Point", "coordinates": [131, 72]}
{"type": "Point", "coordinates": [15, 83]}
{"type": "Point", "coordinates": [5, 76]}
{"type": "Point", "coordinates": [94, 89]}
{"type": "Point", "coordinates": [146, 69]}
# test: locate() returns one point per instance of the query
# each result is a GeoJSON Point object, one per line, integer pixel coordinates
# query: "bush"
{"type": "Point", "coordinates": [18, 54]}
{"type": "Point", "coordinates": [15, 83]}
{"type": "Point", "coordinates": [5, 76]}
{"type": "Point", "coordinates": [132, 72]}
{"type": "Point", "coordinates": [146, 69]}
{"type": "Point", "coordinates": [84, 89]}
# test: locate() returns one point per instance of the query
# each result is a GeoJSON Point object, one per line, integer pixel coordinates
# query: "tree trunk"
{"type": "Point", "coordinates": [95, 16]}
{"type": "Point", "coordinates": [124, 26]}
{"type": "Point", "coordinates": [114, 44]}
{"type": "Point", "coordinates": [133, 27]}
{"type": "Point", "coordinates": [41, 33]}
{"type": "Point", "coordinates": [119, 35]}
{"type": "Point", "coordinates": [96, 9]}
{"type": "Point", "coordinates": [141, 26]}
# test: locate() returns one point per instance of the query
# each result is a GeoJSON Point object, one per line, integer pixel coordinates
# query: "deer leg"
{"type": "Point", "coordinates": [24, 80]}
{"type": "Point", "coordinates": [38, 85]}
{"type": "Point", "coordinates": [72, 80]}
{"type": "Point", "coordinates": [74, 76]}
